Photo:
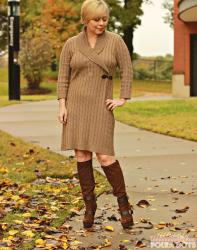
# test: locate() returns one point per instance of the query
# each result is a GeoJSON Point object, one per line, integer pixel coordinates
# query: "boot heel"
{"type": "Point", "coordinates": [91, 206]}
{"type": "Point", "coordinates": [125, 212]}
{"type": "Point", "coordinates": [88, 219]}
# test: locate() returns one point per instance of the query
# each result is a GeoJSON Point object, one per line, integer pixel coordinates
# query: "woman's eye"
{"type": "Point", "coordinates": [98, 19]}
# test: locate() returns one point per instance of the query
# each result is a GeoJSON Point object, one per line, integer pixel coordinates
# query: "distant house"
{"type": "Point", "coordinates": [185, 48]}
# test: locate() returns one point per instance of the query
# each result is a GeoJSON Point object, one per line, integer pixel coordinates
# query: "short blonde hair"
{"type": "Point", "coordinates": [93, 8]}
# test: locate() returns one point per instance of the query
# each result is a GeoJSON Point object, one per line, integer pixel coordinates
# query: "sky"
{"type": "Point", "coordinates": [153, 37]}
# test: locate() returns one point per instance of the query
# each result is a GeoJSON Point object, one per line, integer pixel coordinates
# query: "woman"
{"type": "Point", "coordinates": [85, 93]}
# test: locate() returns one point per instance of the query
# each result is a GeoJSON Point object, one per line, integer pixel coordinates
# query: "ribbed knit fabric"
{"type": "Point", "coordinates": [90, 125]}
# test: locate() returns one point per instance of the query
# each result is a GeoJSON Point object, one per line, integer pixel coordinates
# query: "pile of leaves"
{"type": "Point", "coordinates": [39, 190]}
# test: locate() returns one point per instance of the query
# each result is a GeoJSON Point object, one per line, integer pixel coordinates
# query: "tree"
{"type": "Point", "coordinates": [35, 56]}
{"type": "Point", "coordinates": [3, 25]}
{"type": "Point", "coordinates": [30, 12]}
{"type": "Point", "coordinates": [131, 19]}
{"type": "Point", "coordinates": [169, 16]}
{"type": "Point", "coordinates": [60, 20]}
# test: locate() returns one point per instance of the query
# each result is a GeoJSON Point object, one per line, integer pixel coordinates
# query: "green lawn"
{"type": "Point", "coordinates": [38, 191]}
{"type": "Point", "coordinates": [174, 117]}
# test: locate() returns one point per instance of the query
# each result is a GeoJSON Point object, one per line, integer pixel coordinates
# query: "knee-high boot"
{"type": "Point", "coordinates": [87, 183]}
{"type": "Point", "coordinates": [115, 177]}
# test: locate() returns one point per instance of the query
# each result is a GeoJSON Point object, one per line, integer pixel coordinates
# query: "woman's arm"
{"type": "Point", "coordinates": [64, 72]}
{"type": "Point", "coordinates": [63, 81]}
{"type": "Point", "coordinates": [126, 70]}
{"type": "Point", "coordinates": [126, 74]}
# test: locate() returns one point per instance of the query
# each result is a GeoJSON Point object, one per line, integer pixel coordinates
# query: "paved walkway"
{"type": "Point", "coordinates": [157, 168]}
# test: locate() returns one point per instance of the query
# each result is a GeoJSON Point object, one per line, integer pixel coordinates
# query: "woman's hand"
{"type": "Point", "coordinates": [62, 116]}
{"type": "Point", "coordinates": [112, 103]}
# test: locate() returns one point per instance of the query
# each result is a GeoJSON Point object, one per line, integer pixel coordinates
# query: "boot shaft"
{"type": "Point", "coordinates": [86, 177]}
{"type": "Point", "coordinates": [115, 177]}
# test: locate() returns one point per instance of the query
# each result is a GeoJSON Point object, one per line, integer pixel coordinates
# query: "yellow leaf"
{"type": "Point", "coordinates": [21, 201]}
{"type": "Point", "coordinates": [26, 156]}
{"type": "Point", "coordinates": [3, 170]}
{"type": "Point", "coordinates": [4, 226]}
{"type": "Point", "coordinates": [15, 197]}
{"type": "Point", "coordinates": [107, 243]}
{"type": "Point", "coordinates": [53, 208]}
{"type": "Point", "coordinates": [57, 190]}
{"type": "Point", "coordinates": [18, 221]}
{"type": "Point", "coordinates": [76, 200]}
{"type": "Point", "coordinates": [109, 228]}
{"type": "Point", "coordinates": [13, 232]}
{"type": "Point", "coordinates": [64, 245]}
{"type": "Point", "coordinates": [10, 237]}
{"type": "Point", "coordinates": [40, 242]}
{"type": "Point", "coordinates": [28, 233]}
{"type": "Point", "coordinates": [76, 243]}
{"type": "Point", "coordinates": [26, 215]}
{"type": "Point", "coordinates": [64, 239]}
{"type": "Point", "coordinates": [126, 241]}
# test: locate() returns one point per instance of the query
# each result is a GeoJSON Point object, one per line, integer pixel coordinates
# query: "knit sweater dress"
{"type": "Point", "coordinates": [85, 80]}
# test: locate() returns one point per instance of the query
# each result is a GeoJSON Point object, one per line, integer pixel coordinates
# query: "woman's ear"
{"type": "Point", "coordinates": [83, 21]}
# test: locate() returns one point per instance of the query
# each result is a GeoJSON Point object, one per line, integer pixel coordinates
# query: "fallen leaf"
{"type": "Point", "coordinates": [107, 243]}
{"type": "Point", "coordinates": [13, 232]}
{"type": "Point", "coordinates": [112, 218]}
{"type": "Point", "coordinates": [28, 233]}
{"type": "Point", "coordinates": [143, 203]}
{"type": "Point", "coordinates": [139, 244]}
{"type": "Point", "coordinates": [183, 210]}
{"type": "Point", "coordinates": [109, 228]}
{"type": "Point", "coordinates": [173, 190]}
{"type": "Point", "coordinates": [3, 170]}
{"type": "Point", "coordinates": [40, 242]}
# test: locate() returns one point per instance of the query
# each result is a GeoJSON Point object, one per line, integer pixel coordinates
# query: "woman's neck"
{"type": "Point", "coordinates": [90, 34]}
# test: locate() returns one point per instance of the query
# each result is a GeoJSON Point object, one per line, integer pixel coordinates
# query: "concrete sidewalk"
{"type": "Point", "coordinates": [157, 168]}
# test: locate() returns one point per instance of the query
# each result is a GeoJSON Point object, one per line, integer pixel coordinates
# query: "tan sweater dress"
{"type": "Point", "coordinates": [85, 81]}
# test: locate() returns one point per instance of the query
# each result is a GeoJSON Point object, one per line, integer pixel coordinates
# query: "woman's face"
{"type": "Point", "coordinates": [98, 24]}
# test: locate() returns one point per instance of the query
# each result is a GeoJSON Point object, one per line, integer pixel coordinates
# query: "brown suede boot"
{"type": "Point", "coordinates": [87, 183]}
{"type": "Point", "coordinates": [115, 177]}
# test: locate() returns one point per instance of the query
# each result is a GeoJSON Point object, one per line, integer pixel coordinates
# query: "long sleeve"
{"type": "Point", "coordinates": [64, 72]}
{"type": "Point", "coordinates": [125, 66]}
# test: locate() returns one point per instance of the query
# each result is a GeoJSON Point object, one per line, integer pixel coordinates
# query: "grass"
{"type": "Point", "coordinates": [173, 117]}
{"type": "Point", "coordinates": [27, 202]}
{"type": "Point", "coordinates": [139, 88]}
{"type": "Point", "coordinates": [47, 83]}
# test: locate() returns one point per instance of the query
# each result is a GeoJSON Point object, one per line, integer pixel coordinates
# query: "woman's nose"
{"type": "Point", "coordinates": [101, 21]}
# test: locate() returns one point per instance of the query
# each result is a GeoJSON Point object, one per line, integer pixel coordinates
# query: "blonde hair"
{"type": "Point", "coordinates": [93, 8]}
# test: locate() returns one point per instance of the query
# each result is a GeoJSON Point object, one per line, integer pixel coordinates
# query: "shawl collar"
{"type": "Point", "coordinates": [92, 53]}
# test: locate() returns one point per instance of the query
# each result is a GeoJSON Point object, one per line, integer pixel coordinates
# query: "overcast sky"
{"type": "Point", "coordinates": [153, 37]}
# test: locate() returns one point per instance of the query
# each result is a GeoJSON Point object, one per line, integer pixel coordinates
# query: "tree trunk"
{"type": "Point", "coordinates": [128, 38]}
{"type": "Point", "coordinates": [128, 33]}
